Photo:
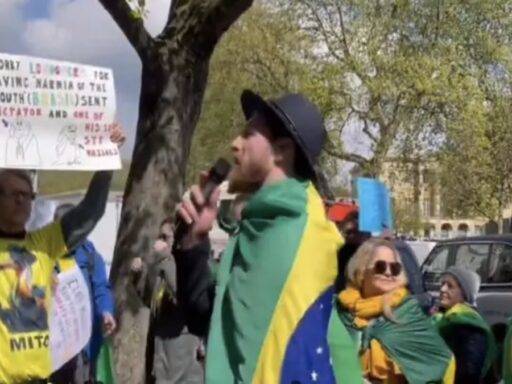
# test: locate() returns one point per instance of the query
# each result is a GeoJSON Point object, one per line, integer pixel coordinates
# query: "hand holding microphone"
{"type": "Point", "coordinates": [197, 214]}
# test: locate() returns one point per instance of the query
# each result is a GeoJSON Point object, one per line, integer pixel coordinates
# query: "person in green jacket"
{"type": "Point", "coordinates": [461, 326]}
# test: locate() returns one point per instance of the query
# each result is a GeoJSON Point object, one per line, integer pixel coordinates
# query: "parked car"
{"type": "Point", "coordinates": [490, 257]}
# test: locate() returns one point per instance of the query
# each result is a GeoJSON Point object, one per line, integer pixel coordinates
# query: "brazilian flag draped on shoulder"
{"type": "Point", "coordinates": [410, 340]}
{"type": "Point", "coordinates": [507, 355]}
{"type": "Point", "coordinates": [273, 295]}
{"type": "Point", "coordinates": [464, 315]}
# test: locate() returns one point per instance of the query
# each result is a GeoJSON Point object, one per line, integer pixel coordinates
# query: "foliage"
{"type": "Point", "coordinates": [475, 160]}
{"type": "Point", "coordinates": [53, 182]}
{"type": "Point", "coordinates": [262, 52]}
{"type": "Point", "coordinates": [414, 79]}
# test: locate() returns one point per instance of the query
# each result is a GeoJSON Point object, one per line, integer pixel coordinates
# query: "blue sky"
{"type": "Point", "coordinates": [36, 9]}
{"type": "Point", "coordinates": [80, 31]}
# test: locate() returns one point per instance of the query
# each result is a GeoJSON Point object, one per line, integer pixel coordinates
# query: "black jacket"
{"type": "Point", "coordinates": [195, 287]}
{"type": "Point", "coordinates": [469, 346]}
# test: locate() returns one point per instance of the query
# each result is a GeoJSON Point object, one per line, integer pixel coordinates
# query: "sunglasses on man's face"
{"type": "Point", "coordinates": [380, 267]}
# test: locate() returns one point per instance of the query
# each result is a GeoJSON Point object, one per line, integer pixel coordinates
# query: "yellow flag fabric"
{"type": "Point", "coordinates": [26, 269]}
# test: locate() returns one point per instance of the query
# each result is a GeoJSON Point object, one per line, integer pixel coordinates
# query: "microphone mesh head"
{"type": "Point", "coordinates": [220, 170]}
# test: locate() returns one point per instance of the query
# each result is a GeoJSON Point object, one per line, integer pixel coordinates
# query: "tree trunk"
{"type": "Point", "coordinates": [155, 184]}
{"type": "Point", "coordinates": [174, 77]}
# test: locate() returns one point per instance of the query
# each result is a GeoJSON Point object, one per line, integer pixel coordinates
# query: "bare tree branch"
{"type": "Point", "coordinates": [133, 28]}
{"type": "Point", "coordinates": [352, 157]}
{"type": "Point", "coordinates": [344, 40]}
{"type": "Point", "coordinates": [367, 132]}
{"type": "Point", "coordinates": [211, 20]}
{"type": "Point", "coordinates": [172, 12]}
{"type": "Point", "coordinates": [321, 28]}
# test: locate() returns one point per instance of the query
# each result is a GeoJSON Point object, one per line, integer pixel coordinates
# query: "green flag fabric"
{"type": "Point", "coordinates": [411, 341]}
{"type": "Point", "coordinates": [463, 314]}
{"type": "Point", "coordinates": [344, 354]}
{"type": "Point", "coordinates": [105, 373]}
{"type": "Point", "coordinates": [273, 272]}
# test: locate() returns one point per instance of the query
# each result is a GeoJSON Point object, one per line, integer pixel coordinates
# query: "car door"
{"type": "Point", "coordinates": [495, 298]}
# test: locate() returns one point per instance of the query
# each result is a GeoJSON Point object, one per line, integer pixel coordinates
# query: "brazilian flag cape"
{"type": "Point", "coordinates": [411, 341]}
{"type": "Point", "coordinates": [507, 355]}
{"type": "Point", "coordinates": [463, 314]}
{"type": "Point", "coordinates": [273, 298]}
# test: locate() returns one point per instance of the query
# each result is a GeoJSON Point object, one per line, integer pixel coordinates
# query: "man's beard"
{"type": "Point", "coordinates": [238, 185]}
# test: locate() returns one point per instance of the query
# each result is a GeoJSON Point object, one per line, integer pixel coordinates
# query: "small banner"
{"type": "Point", "coordinates": [70, 317]}
{"type": "Point", "coordinates": [56, 115]}
{"type": "Point", "coordinates": [375, 208]}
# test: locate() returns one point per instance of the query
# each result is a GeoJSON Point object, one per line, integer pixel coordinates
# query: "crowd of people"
{"type": "Point", "coordinates": [295, 298]}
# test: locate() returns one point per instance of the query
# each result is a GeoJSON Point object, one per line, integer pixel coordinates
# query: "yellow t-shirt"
{"type": "Point", "coordinates": [26, 268]}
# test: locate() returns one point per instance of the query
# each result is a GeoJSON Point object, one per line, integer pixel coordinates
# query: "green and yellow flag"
{"type": "Point", "coordinates": [273, 298]}
{"type": "Point", "coordinates": [463, 314]}
{"type": "Point", "coordinates": [411, 341]}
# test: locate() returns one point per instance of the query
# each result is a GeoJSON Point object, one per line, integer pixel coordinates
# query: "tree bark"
{"type": "Point", "coordinates": [174, 77]}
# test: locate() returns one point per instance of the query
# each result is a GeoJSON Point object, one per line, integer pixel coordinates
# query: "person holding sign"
{"type": "Point", "coordinates": [27, 262]}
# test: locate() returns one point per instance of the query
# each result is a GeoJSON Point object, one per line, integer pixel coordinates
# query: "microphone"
{"type": "Point", "coordinates": [216, 175]}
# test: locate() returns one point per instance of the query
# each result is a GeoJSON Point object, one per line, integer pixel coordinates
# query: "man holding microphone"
{"type": "Point", "coordinates": [267, 312]}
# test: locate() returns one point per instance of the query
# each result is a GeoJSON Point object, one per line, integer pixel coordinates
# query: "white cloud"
{"type": "Point", "coordinates": [79, 30]}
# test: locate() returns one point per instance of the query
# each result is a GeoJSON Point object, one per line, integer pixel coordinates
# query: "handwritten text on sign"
{"type": "Point", "coordinates": [56, 115]}
{"type": "Point", "coordinates": [70, 317]}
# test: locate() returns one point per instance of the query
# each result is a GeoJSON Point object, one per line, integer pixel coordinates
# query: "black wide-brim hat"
{"type": "Point", "coordinates": [297, 115]}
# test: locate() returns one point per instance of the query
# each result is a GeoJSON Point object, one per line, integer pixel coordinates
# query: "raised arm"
{"type": "Point", "coordinates": [81, 220]}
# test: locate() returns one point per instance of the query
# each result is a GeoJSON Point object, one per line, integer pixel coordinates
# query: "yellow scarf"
{"type": "Point", "coordinates": [366, 309]}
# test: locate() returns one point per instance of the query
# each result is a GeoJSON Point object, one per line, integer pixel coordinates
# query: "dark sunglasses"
{"type": "Point", "coordinates": [380, 267]}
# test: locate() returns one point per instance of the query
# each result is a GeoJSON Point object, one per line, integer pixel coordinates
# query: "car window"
{"type": "Point", "coordinates": [473, 257]}
{"type": "Point", "coordinates": [500, 264]}
{"type": "Point", "coordinates": [436, 264]}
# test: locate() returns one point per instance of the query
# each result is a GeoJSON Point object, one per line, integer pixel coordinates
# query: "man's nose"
{"type": "Point", "coordinates": [236, 145]}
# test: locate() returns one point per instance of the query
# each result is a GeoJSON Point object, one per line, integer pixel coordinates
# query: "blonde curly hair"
{"type": "Point", "coordinates": [362, 260]}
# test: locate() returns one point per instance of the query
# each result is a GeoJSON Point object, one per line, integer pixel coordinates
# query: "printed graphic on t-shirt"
{"type": "Point", "coordinates": [27, 311]}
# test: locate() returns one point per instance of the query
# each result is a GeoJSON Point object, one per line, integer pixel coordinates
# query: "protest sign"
{"type": "Point", "coordinates": [70, 317]}
{"type": "Point", "coordinates": [56, 115]}
{"type": "Point", "coordinates": [375, 211]}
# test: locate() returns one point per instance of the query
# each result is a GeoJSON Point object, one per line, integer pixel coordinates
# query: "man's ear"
{"type": "Point", "coordinates": [284, 150]}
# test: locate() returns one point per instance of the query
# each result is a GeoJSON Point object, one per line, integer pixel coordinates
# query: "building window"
{"type": "Point", "coordinates": [446, 231]}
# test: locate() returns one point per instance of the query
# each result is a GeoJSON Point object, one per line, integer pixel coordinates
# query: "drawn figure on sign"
{"type": "Point", "coordinates": [21, 147]}
{"type": "Point", "coordinates": [27, 310]}
{"type": "Point", "coordinates": [69, 149]}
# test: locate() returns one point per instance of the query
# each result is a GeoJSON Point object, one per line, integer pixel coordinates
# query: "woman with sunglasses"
{"type": "Point", "coordinates": [461, 326]}
{"type": "Point", "coordinates": [397, 342]}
